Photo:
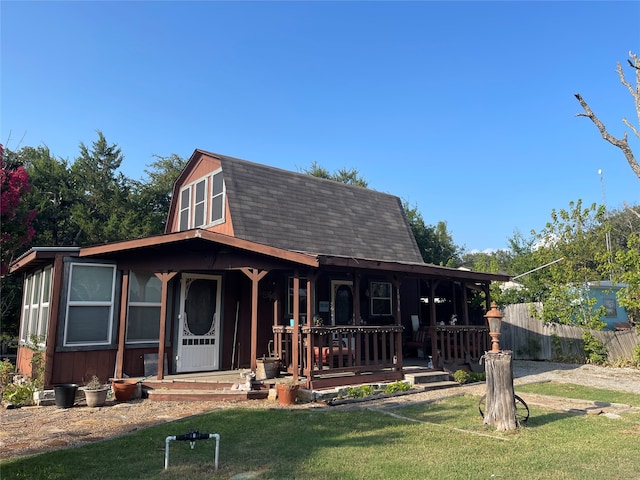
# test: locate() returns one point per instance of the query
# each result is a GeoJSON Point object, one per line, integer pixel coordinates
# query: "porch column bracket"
{"type": "Point", "coordinates": [255, 276]}
{"type": "Point", "coordinates": [165, 278]}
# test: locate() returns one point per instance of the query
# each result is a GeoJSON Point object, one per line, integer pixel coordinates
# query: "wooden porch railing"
{"type": "Point", "coordinates": [458, 344]}
{"type": "Point", "coordinates": [327, 355]}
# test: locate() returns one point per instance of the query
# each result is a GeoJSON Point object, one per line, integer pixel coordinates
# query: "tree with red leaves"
{"type": "Point", "coordinates": [15, 219]}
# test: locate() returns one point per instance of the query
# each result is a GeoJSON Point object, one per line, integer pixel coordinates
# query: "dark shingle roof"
{"type": "Point", "coordinates": [303, 213]}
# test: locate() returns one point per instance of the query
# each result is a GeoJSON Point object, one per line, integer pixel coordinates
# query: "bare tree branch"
{"type": "Point", "coordinates": [628, 207]}
{"type": "Point", "coordinates": [621, 143]}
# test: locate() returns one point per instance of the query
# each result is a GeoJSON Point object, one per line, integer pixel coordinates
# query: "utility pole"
{"type": "Point", "coordinates": [607, 234]}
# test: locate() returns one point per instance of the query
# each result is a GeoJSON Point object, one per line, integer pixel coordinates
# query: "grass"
{"type": "Point", "coordinates": [440, 440]}
{"type": "Point", "coordinates": [570, 390]}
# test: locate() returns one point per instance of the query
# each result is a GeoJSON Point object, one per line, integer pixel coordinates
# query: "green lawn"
{"type": "Point", "coordinates": [570, 390]}
{"type": "Point", "coordinates": [441, 440]}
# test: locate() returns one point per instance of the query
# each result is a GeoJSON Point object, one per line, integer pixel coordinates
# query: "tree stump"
{"type": "Point", "coordinates": [501, 406]}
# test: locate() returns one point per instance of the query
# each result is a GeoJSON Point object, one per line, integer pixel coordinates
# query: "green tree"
{"type": "Point", "coordinates": [105, 209]}
{"type": "Point", "coordinates": [575, 236]}
{"type": "Point", "coordinates": [434, 241]}
{"type": "Point", "coordinates": [153, 194]}
{"type": "Point", "coordinates": [350, 176]}
{"type": "Point", "coordinates": [53, 195]}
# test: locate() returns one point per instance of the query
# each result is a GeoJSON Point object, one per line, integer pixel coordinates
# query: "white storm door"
{"type": "Point", "coordinates": [199, 331]}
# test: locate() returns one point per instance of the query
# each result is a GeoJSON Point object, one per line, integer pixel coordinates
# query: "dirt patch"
{"type": "Point", "coordinates": [31, 430]}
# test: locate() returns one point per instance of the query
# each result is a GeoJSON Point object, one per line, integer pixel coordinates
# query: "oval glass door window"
{"type": "Point", "coordinates": [201, 306]}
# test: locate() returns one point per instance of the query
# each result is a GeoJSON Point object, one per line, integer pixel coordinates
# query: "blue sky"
{"type": "Point", "coordinates": [463, 109]}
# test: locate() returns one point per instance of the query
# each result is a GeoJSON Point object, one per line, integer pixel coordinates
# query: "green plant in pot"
{"type": "Point", "coordinates": [95, 392]}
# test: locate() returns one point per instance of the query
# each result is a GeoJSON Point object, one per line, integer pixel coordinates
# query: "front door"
{"type": "Point", "coordinates": [342, 302]}
{"type": "Point", "coordinates": [199, 330]}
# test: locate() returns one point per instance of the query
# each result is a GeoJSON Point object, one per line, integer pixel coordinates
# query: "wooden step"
{"type": "Point", "coordinates": [211, 395]}
{"type": "Point", "coordinates": [427, 376]}
{"type": "Point", "coordinates": [185, 385]}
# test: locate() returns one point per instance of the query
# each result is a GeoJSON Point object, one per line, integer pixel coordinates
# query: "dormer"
{"type": "Point", "coordinates": [199, 197]}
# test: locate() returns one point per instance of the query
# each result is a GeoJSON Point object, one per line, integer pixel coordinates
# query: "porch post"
{"type": "Point", "coordinates": [255, 275]}
{"type": "Point", "coordinates": [165, 278]}
{"type": "Point", "coordinates": [122, 325]}
{"type": "Point", "coordinates": [52, 327]}
{"type": "Point", "coordinates": [356, 299]}
{"type": "Point", "coordinates": [295, 341]}
{"type": "Point", "coordinates": [398, 321]}
{"type": "Point", "coordinates": [432, 314]}
{"type": "Point", "coordinates": [465, 308]}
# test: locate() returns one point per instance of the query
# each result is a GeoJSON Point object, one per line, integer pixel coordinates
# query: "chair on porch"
{"type": "Point", "coordinates": [419, 342]}
{"type": "Point", "coordinates": [339, 360]}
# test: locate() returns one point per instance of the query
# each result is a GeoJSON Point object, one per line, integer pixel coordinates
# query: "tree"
{"type": "Point", "coordinates": [104, 211]}
{"type": "Point", "coordinates": [343, 175]}
{"type": "Point", "coordinates": [53, 194]}
{"type": "Point", "coordinates": [15, 218]}
{"type": "Point", "coordinates": [575, 236]}
{"type": "Point", "coordinates": [153, 194]}
{"type": "Point", "coordinates": [621, 143]}
{"type": "Point", "coordinates": [435, 242]}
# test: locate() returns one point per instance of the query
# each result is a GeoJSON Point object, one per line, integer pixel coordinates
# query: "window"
{"type": "Point", "coordinates": [90, 304]}
{"type": "Point", "coordinates": [610, 307]}
{"type": "Point", "coordinates": [302, 297]}
{"type": "Point", "coordinates": [197, 199]}
{"type": "Point", "coordinates": [217, 198]}
{"type": "Point", "coordinates": [35, 306]}
{"type": "Point", "coordinates": [380, 293]}
{"type": "Point", "coordinates": [185, 208]}
{"type": "Point", "coordinates": [143, 319]}
{"type": "Point", "coordinates": [200, 204]}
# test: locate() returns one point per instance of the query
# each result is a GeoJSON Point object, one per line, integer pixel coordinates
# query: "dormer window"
{"type": "Point", "coordinates": [202, 202]}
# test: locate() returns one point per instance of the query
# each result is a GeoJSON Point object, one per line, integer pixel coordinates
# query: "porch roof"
{"type": "Point", "coordinates": [37, 255]}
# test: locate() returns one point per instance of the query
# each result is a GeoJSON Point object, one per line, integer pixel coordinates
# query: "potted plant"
{"type": "Point", "coordinates": [95, 392]}
{"type": "Point", "coordinates": [287, 392]}
{"type": "Point", "coordinates": [123, 389]}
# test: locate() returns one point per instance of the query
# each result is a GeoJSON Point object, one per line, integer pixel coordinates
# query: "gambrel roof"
{"type": "Point", "coordinates": [303, 213]}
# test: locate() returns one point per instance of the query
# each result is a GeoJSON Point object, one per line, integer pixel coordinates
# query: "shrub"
{"type": "Point", "coordinates": [396, 387]}
{"type": "Point", "coordinates": [635, 355]}
{"type": "Point", "coordinates": [594, 349]}
{"type": "Point", "coordinates": [462, 377]}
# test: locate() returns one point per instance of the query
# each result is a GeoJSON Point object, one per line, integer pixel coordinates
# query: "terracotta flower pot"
{"type": "Point", "coordinates": [287, 394]}
{"type": "Point", "coordinates": [123, 389]}
{"type": "Point", "coordinates": [96, 398]}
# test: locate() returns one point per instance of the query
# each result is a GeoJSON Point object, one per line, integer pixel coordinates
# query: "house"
{"type": "Point", "coordinates": [605, 294]}
{"type": "Point", "coordinates": [255, 261]}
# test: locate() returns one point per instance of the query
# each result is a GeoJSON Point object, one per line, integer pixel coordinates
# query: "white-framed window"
{"type": "Point", "coordinates": [380, 294]}
{"type": "Point", "coordinates": [143, 317]}
{"type": "Point", "coordinates": [217, 197]}
{"type": "Point", "coordinates": [185, 208]}
{"type": "Point", "coordinates": [90, 304]}
{"type": "Point", "coordinates": [35, 306]}
{"type": "Point", "coordinates": [302, 310]}
{"type": "Point", "coordinates": [202, 203]}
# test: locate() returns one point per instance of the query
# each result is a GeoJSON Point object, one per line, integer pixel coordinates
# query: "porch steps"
{"type": "Point", "coordinates": [201, 391]}
{"type": "Point", "coordinates": [202, 395]}
{"type": "Point", "coordinates": [429, 379]}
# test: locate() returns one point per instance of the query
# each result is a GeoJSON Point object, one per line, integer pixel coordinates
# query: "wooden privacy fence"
{"type": "Point", "coordinates": [532, 339]}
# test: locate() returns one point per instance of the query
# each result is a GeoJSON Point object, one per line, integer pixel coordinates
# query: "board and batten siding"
{"type": "Point", "coordinates": [532, 339]}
